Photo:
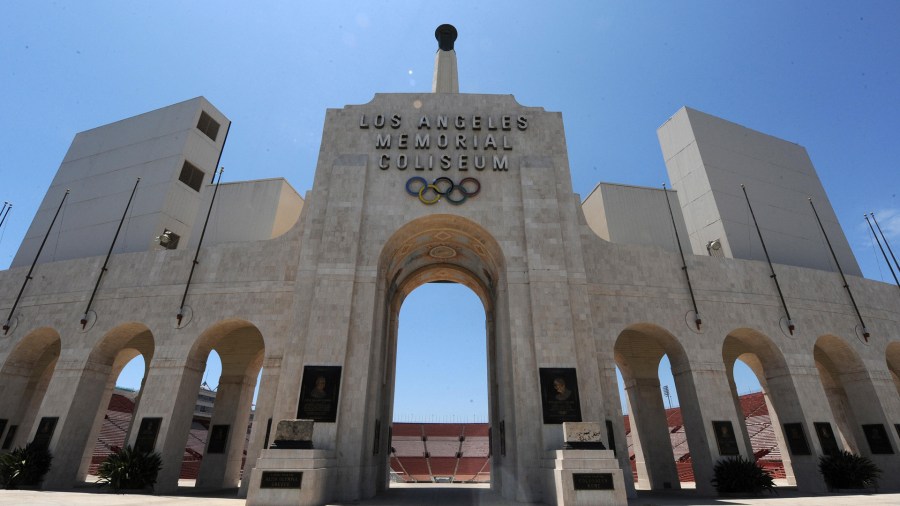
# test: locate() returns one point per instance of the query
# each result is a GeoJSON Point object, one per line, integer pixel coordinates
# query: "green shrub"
{"type": "Point", "coordinates": [24, 467]}
{"type": "Point", "coordinates": [128, 469]}
{"type": "Point", "coordinates": [739, 475]}
{"type": "Point", "coordinates": [846, 470]}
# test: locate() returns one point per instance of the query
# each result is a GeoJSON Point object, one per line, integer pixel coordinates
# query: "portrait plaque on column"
{"type": "Point", "coordinates": [145, 441]}
{"type": "Point", "coordinates": [45, 431]}
{"type": "Point", "coordinates": [559, 395]}
{"type": "Point", "coordinates": [7, 441]}
{"type": "Point", "coordinates": [796, 439]}
{"type": "Point", "coordinates": [826, 438]}
{"type": "Point", "coordinates": [319, 393]}
{"type": "Point", "coordinates": [218, 438]}
{"type": "Point", "coordinates": [725, 438]}
{"type": "Point", "coordinates": [877, 437]}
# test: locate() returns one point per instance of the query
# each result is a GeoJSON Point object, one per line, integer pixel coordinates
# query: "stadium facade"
{"type": "Point", "coordinates": [423, 187]}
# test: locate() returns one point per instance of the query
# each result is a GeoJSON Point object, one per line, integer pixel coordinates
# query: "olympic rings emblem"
{"type": "Point", "coordinates": [431, 193]}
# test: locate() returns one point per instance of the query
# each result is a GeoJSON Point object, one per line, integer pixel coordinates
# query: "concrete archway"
{"type": "Point", "coordinates": [449, 249]}
{"type": "Point", "coordinates": [854, 401]}
{"type": "Point", "coordinates": [638, 352]}
{"type": "Point", "coordinates": [94, 384]}
{"type": "Point", "coordinates": [241, 348]}
{"type": "Point", "coordinates": [115, 350]}
{"type": "Point", "coordinates": [839, 367]}
{"type": "Point", "coordinates": [24, 379]}
{"type": "Point", "coordinates": [762, 356]}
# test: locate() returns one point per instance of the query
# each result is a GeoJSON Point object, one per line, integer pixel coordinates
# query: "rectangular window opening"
{"type": "Point", "coordinates": [208, 125]}
{"type": "Point", "coordinates": [191, 176]}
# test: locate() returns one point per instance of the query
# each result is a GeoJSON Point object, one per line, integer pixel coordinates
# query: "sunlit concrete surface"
{"type": "Point", "coordinates": [96, 497]}
{"type": "Point", "coordinates": [431, 495]}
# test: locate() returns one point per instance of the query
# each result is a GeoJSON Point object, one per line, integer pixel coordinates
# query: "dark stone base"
{"type": "Point", "coordinates": [575, 445]}
{"type": "Point", "coordinates": [283, 444]}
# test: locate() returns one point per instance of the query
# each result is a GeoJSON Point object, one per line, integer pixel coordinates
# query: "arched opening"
{"type": "Point", "coordinates": [752, 358]}
{"type": "Point", "coordinates": [116, 349]}
{"type": "Point", "coordinates": [440, 429]}
{"type": "Point", "coordinates": [23, 382]}
{"type": "Point", "coordinates": [892, 355]}
{"type": "Point", "coordinates": [119, 418]}
{"type": "Point", "coordinates": [216, 440]}
{"type": "Point", "coordinates": [441, 249]}
{"type": "Point", "coordinates": [656, 432]}
{"type": "Point", "coordinates": [849, 391]}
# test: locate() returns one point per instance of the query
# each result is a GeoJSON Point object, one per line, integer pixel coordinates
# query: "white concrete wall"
{"type": "Point", "coordinates": [626, 214]}
{"type": "Point", "coordinates": [708, 158]}
{"type": "Point", "coordinates": [101, 168]}
{"type": "Point", "coordinates": [247, 211]}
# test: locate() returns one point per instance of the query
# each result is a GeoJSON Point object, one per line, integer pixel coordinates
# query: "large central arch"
{"type": "Point", "coordinates": [440, 248]}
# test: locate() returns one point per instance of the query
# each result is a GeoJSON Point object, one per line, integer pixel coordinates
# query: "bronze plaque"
{"type": "Point", "coordinates": [146, 437]}
{"type": "Point", "coordinates": [877, 437]}
{"type": "Point", "coordinates": [826, 438]}
{"type": "Point", "coordinates": [45, 431]}
{"type": "Point", "coordinates": [725, 438]}
{"type": "Point", "coordinates": [592, 481]}
{"type": "Point", "coordinates": [281, 479]}
{"type": "Point", "coordinates": [7, 442]}
{"type": "Point", "coordinates": [218, 439]}
{"type": "Point", "coordinates": [559, 395]}
{"type": "Point", "coordinates": [796, 439]}
{"type": "Point", "coordinates": [319, 393]}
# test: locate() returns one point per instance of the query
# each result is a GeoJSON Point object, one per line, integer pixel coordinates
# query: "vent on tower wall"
{"type": "Point", "coordinates": [714, 248]}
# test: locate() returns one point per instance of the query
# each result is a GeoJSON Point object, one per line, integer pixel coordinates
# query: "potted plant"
{"type": "Point", "coordinates": [24, 467]}
{"type": "Point", "coordinates": [847, 470]}
{"type": "Point", "coordinates": [129, 469]}
{"type": "Point", "coordinates": [737, 475]}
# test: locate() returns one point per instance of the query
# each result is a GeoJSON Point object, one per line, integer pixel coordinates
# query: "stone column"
{"type": "Point", "coordinates": [264, 408]}
{"type": "Point", "coordinates": [170, 392]}
{"type": "Point", "coordinates": [16, 390]}
{"type": "Point", "coordinates": [232, 408]}
{"type": "Point", "coordinates": [21, 394]}
{"type": "Point", "coordinates": [710, 383]}
{"type": "Point", "coordinates": [845, 422]}
{"type": "Point", "coordinates": [650, 434]}
{"type": "Point", "coordinates": [786, 457]}
{"type": "Point", "coordinates": [798, 396]}
{"type": "Point", "coordinates": [869, 395]}
{"type": "Point", "coordinates": [96, 425]}
{"type": "Point", "coordinates": [736, 398]}
{"type": "Point", "coordinates": [74, 395]}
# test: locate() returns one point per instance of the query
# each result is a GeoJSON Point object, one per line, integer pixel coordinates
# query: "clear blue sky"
{"type": "Point", "coordinates": [824, 75]}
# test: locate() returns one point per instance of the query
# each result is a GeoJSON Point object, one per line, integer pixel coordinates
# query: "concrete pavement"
{"type": "Point", "coordinates": [429, 495]}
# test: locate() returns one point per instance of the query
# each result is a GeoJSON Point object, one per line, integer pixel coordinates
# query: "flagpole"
{"type": "Point", "coordinates": [33, 263]}
{"type": "Point", "coordinates": [841, 271]}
